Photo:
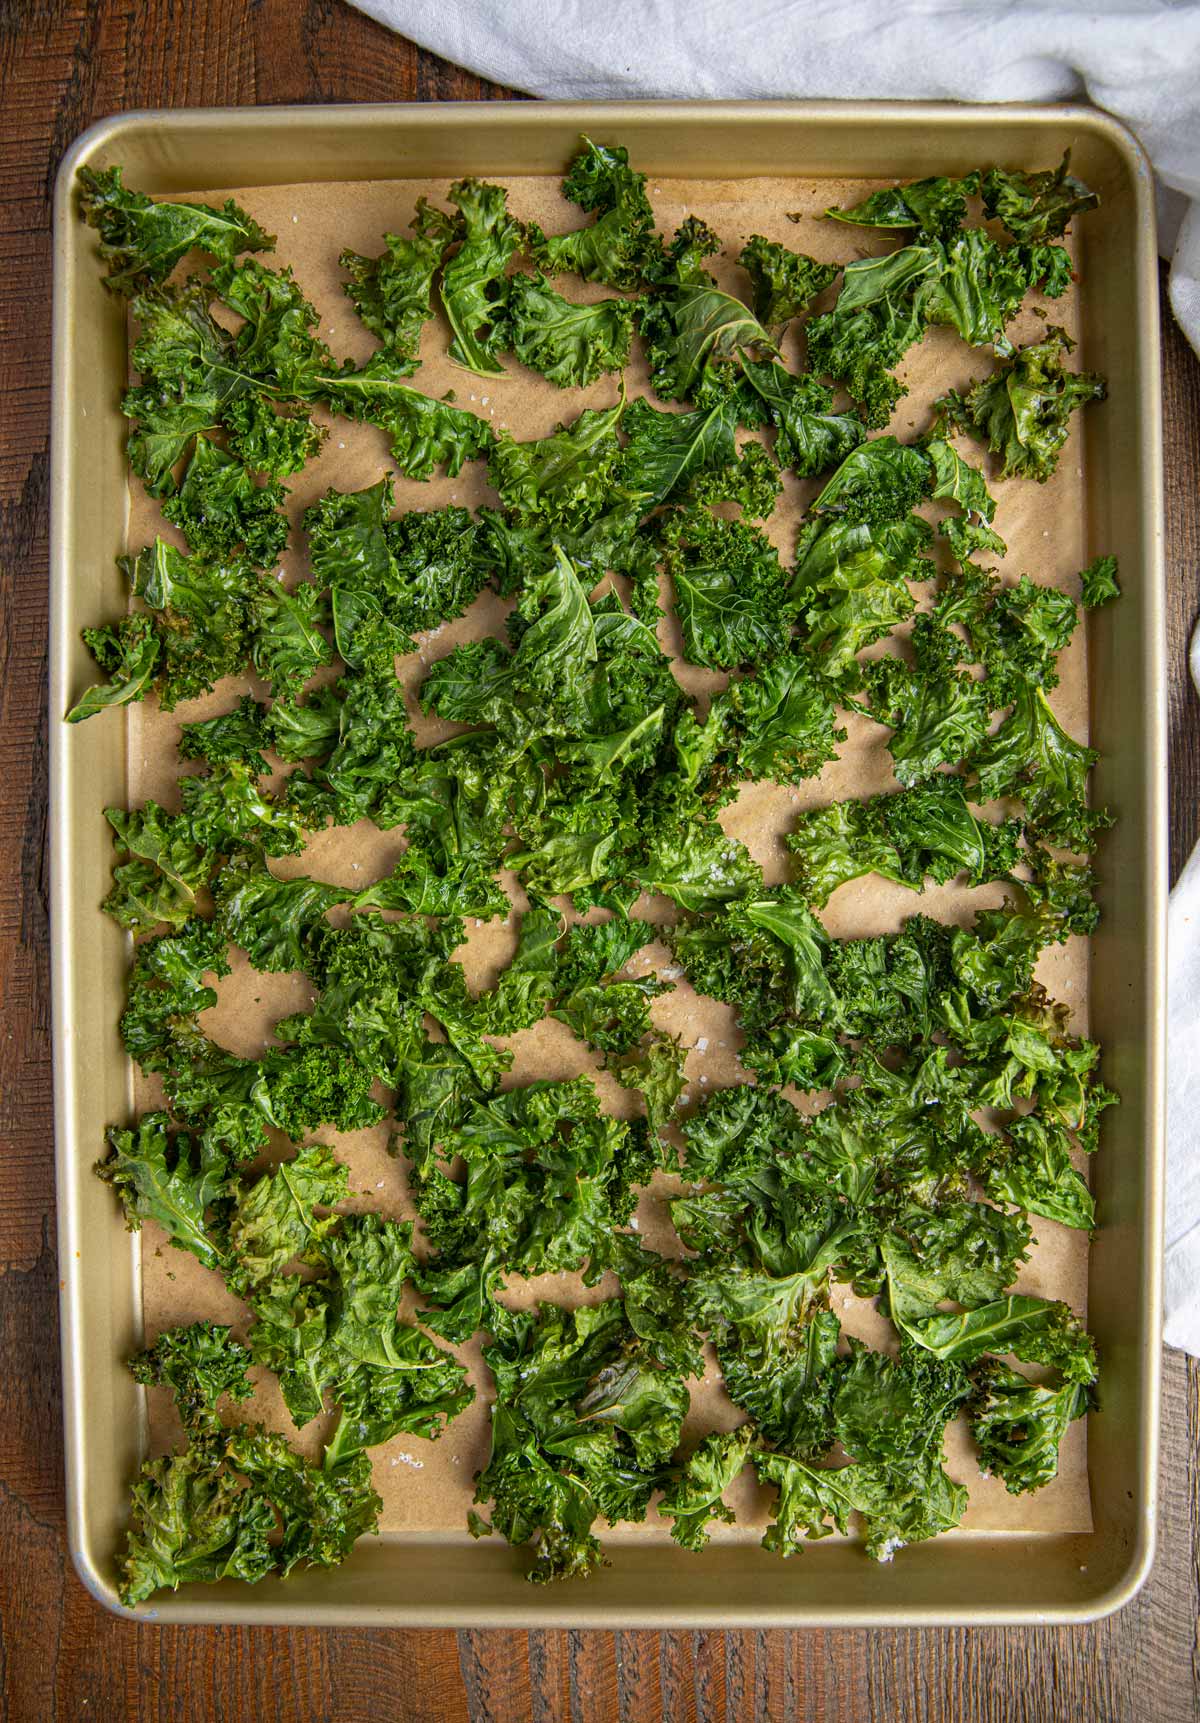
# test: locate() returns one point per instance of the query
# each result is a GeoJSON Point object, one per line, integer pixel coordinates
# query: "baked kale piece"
{"type": "Point", "coordinates": [393, 293]}
{"type": "Point", "coordinates": [616, 247]}
{"type": "Point", "coordinates": [586, 1420]}
{"type": "Point", "coordinates": [474, 286]}
{"type": "Point", "coordinates": [142, 239]}
{"type": "Point", "coordinates": [570, 344]}
{"type": "Point", "coordinates": [1022, 411]}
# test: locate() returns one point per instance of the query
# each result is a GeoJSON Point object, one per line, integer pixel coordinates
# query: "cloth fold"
{"type": "Point", "coordinates": [1139, 60]}
{"type": "Point", "coordinates": [1181, 1259]}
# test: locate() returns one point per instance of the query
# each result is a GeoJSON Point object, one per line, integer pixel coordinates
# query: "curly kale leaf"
{"type": "Point", "coordinates": [878, 316]}
{"type": "Point", "coordinates": [778, 723]}
{"type": "Point", "coordinates": [167, 987]}
{"type": "Point", "coordinates": [809, 436]}
{"type": "Point", "coordinates": [192, 1522]}
{"type": "Point", "coordinates": [886, 303]}
{"type": "Point", "coordinates": [225, 810]}
{"type": "Point", "coordinates": [1035, 206]}
{"type": "Point", "coordinates": [406, 575]}
{"type": "Point", "coordinates": [546, 1180]}
{"type": "Point", "coordinates": [213, 1513]}
{"type": "Point", "coordinates": [606, 1010]}
{"type": "Point", "coordinates": [583, 1428]}
{"type": "Point", "coordinates": [571, 344]}
{"type": "Point", "coordinates": [565, 477]}
{"type": "Point", "coordinates": [392, 293]}
{"type": "Point", "coordinates": [1033, 1170]}
{"type": "Point", "coordinates": [616, 246]}
{"type": "Point", "coordinates": [937, 712]}
{"type": "Point", "coordinates": [695, 336]}
{"type": "Point", "coordinates": [967, 1252]}
{"type": "Point", "coordinates": [937, 206]}
{"type": "Point", "coordinates": [525, 987]}
{"type": "Point", "coordinates": [288, 646]}
{"type": "Point", "coordinates": [1035, 1330]}
{"type": "Point", "coordinates": [694, 862]}
{"type": "Point", "coordinates": [209, 619]}
{"type": "Point", "coordinates": [142, 240]}
{"type": "Point", "coordinates": [474, 287]}
{"type": "Point", "coordinates": [199, 1364]}
{"type": "Point", "coordinates": [656, 1072]}
{"type": "Point", "coordinates": [224, 512]}
{"type": "Point", "coordinates": [423, 433]}
{"type": "Point", "coordinates": [322, 1511]}
{"type": "Point", "coordinates": [128, 654]}
{"type": "Point", "coordinates": [166, 868]}
{"type": "Point", "coordinates": [173, 1180]}
{"type": "Point", "coordinates": [275, 1219]}
{"type": "Point", "coordinates": [195, 376]}
{"type": "Point", "coordinates": [1022, 411]}
{"type": "Point", "coordinates": [1018, 1425]}
{"type": "Point", "coordinates": [906, 836]}
{"type": "Point", "coordinates": [1100, 583]}
{"type": "Point", "coordinates": [202, 616]}
{"type": "Point", "coordinates": [893, 1414]}
{"type": "Point", "coordinates": [784, 281]}
{"type": "Point", "coordinates": [236, 737]}
{"type": "Point", "coordinates": [272, 920]}
{"type": "Point", "coordinates": [881, 480]}
{"type": "Point", "coordinates": [667, 452]}
{"type": "Point", "coordinates": [730, 591]}
{"type": "Point", "coordinates": [1032, 756]}
{"type": "Point", "coordinates": [340, 1337]}
{"type": "Point", "coordinates": [361, 739]}
{"type": "Point", "coordinates": [694, 1500]}
{"type": "Point", "coordinates": [857, 552]}
{"type": "Point", "coordinates": [293, 1090]}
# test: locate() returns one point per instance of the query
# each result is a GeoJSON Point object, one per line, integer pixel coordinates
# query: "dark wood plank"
{"type": "Point", "coordinates": [64, 63]}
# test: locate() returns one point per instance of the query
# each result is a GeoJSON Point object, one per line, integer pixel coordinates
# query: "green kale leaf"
{"type": "Point", "coordinates": [616, 246]}
{"type": "Point", "coordinates": [393, 293]}
{"type": "Point", "coordinates": [142, 240]}
{"type": "Point", "coordinates": [571, 344]}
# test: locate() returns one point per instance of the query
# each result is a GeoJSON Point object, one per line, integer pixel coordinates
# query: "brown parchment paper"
{"type": "Point", "coordinates": [427, 1486]}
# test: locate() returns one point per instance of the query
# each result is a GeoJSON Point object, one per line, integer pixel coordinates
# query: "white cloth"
{"type": "Point", "coordinates": [1181, 1262]}
{"type": "Point", "coordinates": [1137, 59]}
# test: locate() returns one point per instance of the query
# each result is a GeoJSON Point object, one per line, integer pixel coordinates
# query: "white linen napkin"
{"type": "Point", "coordinates": [1137, 59]}
{"type": "Point", "coordinates": [1181, 1262]}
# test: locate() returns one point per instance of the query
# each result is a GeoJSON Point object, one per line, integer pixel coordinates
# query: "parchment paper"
{"type": "Point", "coordinates": [427, 1486]}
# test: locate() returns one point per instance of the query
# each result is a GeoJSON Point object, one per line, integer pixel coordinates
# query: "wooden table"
{"type": "Point", "coordinates": [64, 63]}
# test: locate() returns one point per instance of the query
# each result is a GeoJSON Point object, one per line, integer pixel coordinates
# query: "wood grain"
{"type": "Point", "coordinates": [64, 63]}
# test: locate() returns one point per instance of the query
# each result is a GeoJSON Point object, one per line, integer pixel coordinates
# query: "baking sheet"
{"type": "Point", "coordinates": [426, 1486]}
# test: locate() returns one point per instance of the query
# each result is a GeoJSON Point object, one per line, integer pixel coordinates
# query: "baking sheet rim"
{"type": "Point", "coordinates": [71, 1165]}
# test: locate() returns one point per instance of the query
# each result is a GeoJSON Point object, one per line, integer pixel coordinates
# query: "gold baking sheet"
{"type": "Point", "coordinates": [435, 1578]}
